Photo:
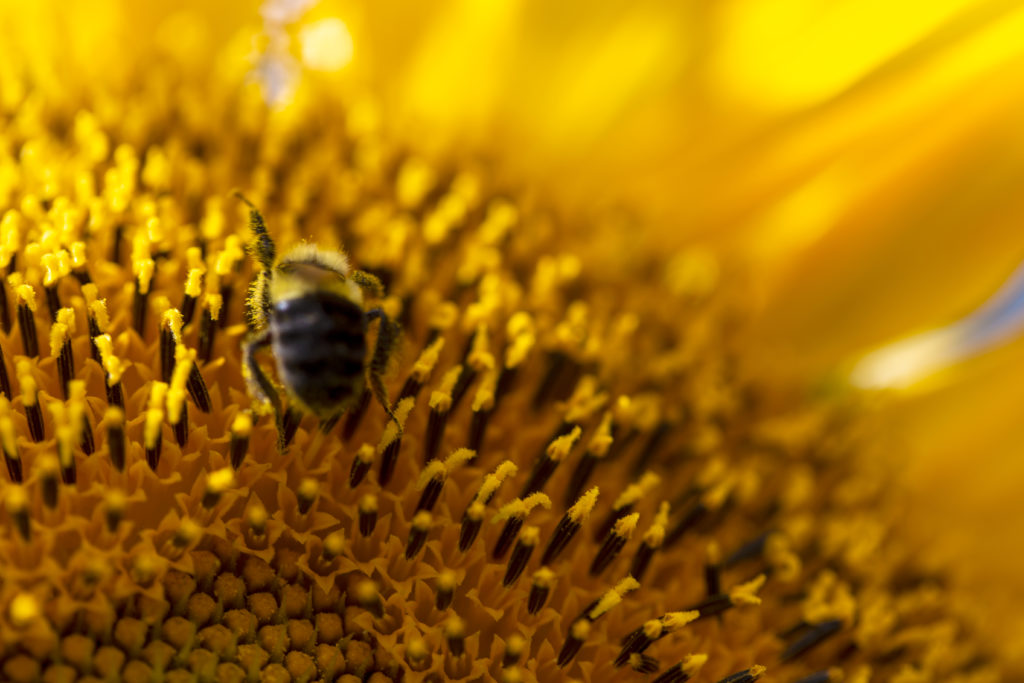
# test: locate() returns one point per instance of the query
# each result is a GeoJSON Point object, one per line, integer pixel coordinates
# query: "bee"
{"type": "Point", "coordinates": [308, 308]}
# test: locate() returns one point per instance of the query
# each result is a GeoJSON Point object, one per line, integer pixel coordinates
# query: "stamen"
{"type": "Point", "coordinates": [654, 442]}
{"type": "Point", "coordinates": [193, 288]}
{"type": "Point", "coordinates": [144, 569]}
{"type": "Point", "coordinates": [442, 318]}
{"type": "Point", "coordinates": [472, 519]}
{"type": "Point", "coordinates": [478, 360]}
{"type": "Point", "coordinates": [367, 595]}
{"type": "Point", "coordinates": [578, 633]}
{"type": "Point", "coordinates": [256, 517]}
{"type": "Point", "coordinates": [187, 533]}
{"type": "Point", "coordinates": [5, 313]}
{"type": "Point", "coordinates": [290, 425]}
{"type": "Point", "coordinates": [652, 631]}
{"type": "Point", "coordinates": [433, 477]}
{"type": "Point", "coordinates": [5, 380]}
{"type": "Point", "coordinates": [30, 399]}
{"type": "Point", "coordinates": [445, 589]}
{"type": "Point", "coordinates": [440, 406]}
{"type": "Point", "coordinates": [9, 442]}
{"type": "Point", "coordinates": [367, 514]}
{"type": "Point", "coordinates": [421, 522]}
{"type": "Point", "coordinates": [543, 579]}
{"type": "Point", "coordinates": [597, 449]}
{"type": "Point", "coordinates": [712, 570]}
{"type": "Point", "coordinates": [642, 663]}
{"type": "Point", "coordinates": [115, 436]}
{"type": "Point", "coordinates": [355, 415]}
{"type": "Point", "coordinates": [455, 635]}
{"type": "Point", "coordinates": [361, 464]}
{"type": "Point", "coordinates": [212, 304]}
{"type": "Point", "coordinates": [80, 263]}
{"type": "Point", "coordinates": [483, 408]}
{"type": "Point", "coordinates": [546, 464]}
{"type": "Point", "coordinates": [114, 368]}
{"type": "Point", "coordinates": [143, 269]}
{"type": "Point", "coordinates": [528, 540]}
{"type": "Point", "coordinates": [218, 483]}
{"type": "Point", "coordinates": [55, 266]}
{"type": "Point", "coordinates": [241, 429]}
{"type": "Point", "coordinates": [746, 676]}
{"type": "Point", "coordinates": [514, 513]}
{"type": "Point", "coordinates": [750, 549]}
{"type": "Point", "coordinates": [817, 635]}
{"type": "Point", "coordinates": [60, 348]}
{"type": "Point", "coordinates": [694, 516]}
{"type": "Point", "coordinates": [177, 409]}
{"type": "Point", "coordinates": [115, 243]}
{"type": "Point", "coordinates": [515, 645]}
{"type": "Point", "coordinates": [334, 545]}
{"type": "Point", "coordinates": [196, 385]}
{"type": "Point", "coordinates": [327, 424]}
{"type": "Point", "coordinates": [67, 435]}
{"type": "Point", "coordinates": [306, 494]}
{"type": "Point", "coordinates": [16, 503]}
{"type": "Point", "coordinates": [227, 262]}
{"type": "Point", "coordinates": [559, 367]}
{"type": "Point", "coordinates": [391, 441]}
{"type": "Point", "coordinates": [170, 337]}
{"type": "Point", "coordinates": [570, 523]}
{"type": "Point", "coordinates": [153, 427]}
{"type": "Point", "coordinates": [96, 315]}
{"type": "Point", "coordinates": [653, 538]}
{"type": "Point", "coordinates": [422, 369]}
{"type": "Point", "coordinates": [682, 671]}
{"type": "Point", "coordinates": [610, 599]}
{"type": "Point", "coordinates": [492, 482]}
{"type": "Point", "coordinates": [743, 594]}
{"type": "Point", "coordinates": [27, 320]}
{"type": "Point", "coordinates": [79, 417]}
{"type": "Point", "coordinates": [417, 654]}
{"type": "Point", "coordinates": [624, 504]}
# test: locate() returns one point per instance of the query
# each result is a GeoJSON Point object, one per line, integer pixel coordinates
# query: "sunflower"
{"type": "Point", "coordinates": [583, 471]}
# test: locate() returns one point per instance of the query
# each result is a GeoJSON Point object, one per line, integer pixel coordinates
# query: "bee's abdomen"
{"type": "Point", "coordinates": [320, 345]}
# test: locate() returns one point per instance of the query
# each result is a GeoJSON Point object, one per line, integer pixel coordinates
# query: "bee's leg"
{"type": "Point", "coordinates": [368, 282]}
{"type": "Point", "coordinates": [257, 303]}
{"type": "Point", "coordinates": [387, 342]}
{"type": "Point", "coordinates": [261, 389]}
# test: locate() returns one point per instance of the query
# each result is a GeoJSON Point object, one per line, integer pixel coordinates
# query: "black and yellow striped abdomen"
{"type": "Point", "coordinates": [319, 341]}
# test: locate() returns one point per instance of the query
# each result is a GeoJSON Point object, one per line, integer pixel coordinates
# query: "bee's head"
{"type": "Point", "coordinates": [308, 269]}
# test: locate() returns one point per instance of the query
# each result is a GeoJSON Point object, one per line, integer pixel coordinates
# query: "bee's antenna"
{"type": "Point", "coordinates": [264, 246]}
{"type": "Point", "coordinates": [238, 194]}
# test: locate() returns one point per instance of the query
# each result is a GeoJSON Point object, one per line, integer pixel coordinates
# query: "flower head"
{"type": "Point", "coordinates": [580, 480]}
